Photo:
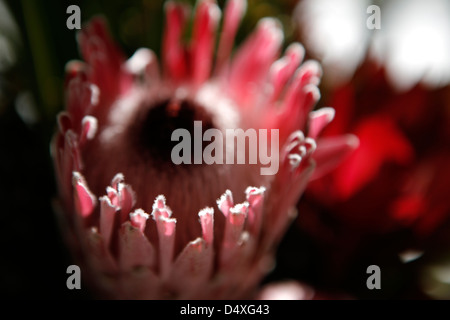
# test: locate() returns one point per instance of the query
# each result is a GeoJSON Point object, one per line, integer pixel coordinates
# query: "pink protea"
{"type": "Point", "coordinates": [120, 115]}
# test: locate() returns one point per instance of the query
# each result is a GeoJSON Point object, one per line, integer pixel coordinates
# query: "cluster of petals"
{"type": "Point", "coordinates": [126, 239]}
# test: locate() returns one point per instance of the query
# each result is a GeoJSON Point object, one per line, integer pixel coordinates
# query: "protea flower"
{"type": "Point", "coordinates": [143, 227]}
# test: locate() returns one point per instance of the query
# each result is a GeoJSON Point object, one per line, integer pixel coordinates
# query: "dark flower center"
{"type": "Point", "coordinates": [162, 119]}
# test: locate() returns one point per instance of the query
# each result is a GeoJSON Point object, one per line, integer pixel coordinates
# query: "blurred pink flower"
{"type": "Point", "coordinates": [119, 119]}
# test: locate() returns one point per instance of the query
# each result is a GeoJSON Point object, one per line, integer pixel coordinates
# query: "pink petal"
{"type": "Point", "coordinates": [73, 69]}
{"type": "Point", "coordinates": [103, 56]}
{"type": "Point", "coordinates": [207, 222]}
{"type": "Point", "coordinates": [166, 235]}
{"type": "Point", "coordinates": [89, 129]}
{"type": "Point", "coordinates": [160, 205]}
{"type": "Point", "coordinates": [296, 149]}
{"type": "Point", "coordinates": [138, 219]}
{"type": "Point", "coordinates": [255, 198]}
{"type": "Point", "coordinates": [332, 151]}
{"type": "Point", "coordinates": [319, 119]}
{"type": "Point", "coordinates": [253, 60]}
{"type": "Point", "coordinates": [127, 200]}
{"type": "Point", "coordinates": [82, 97]}
{"type": "Point", "coordinates": [174, 54]}
{"type": "Point", "coordinates": [113, 196]}
{"type": "Point", "coordinates": [283, 69]}
{"type": "Point", "coordinates": [295, 155]}
{"type": "Point", "coordinates": [72, 149]}
{"type": "Point", "coordinates": [192, 268]}
{"type": "Point", "coordinates": [118, 178]}
{"type": "Point", "coordinates": [144, 64]}
{"type": "Point", "coordinates": [70, 160]}
{"type": "Point", "coordinates": [107, 216]}
{"type": "Point", "coordinates": [84, 200]}
{"type": "Point", "coordinates": [300, 97]}
{"type": "Point", "coordinates": [225, 203]}
{"type": "Point", "coordinates": [288, 197]}
{"type": "Point", "coordinates": [234, 11]}
{"type": "Point", "coordinates": [99, 256]}
{"type": "Point", "coordinates": [64, 122]}
{"type": "Point", "coordinates": [122, 196]}
{"type": "Point", "coordinates": [234, 227]}
{"type": "Point", "coordinates": [135, 249]}
{"type": "Point", "coordinates": [206, 18]}
{"type": "Point", "coordinates": [290, 182]}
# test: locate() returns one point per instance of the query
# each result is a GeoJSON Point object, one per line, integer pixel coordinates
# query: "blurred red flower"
{"type": "Point", "coordinates": [398, 177]}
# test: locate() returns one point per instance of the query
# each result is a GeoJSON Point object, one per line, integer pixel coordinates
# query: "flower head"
{"type": "Point", "coordinates": [144, 227]}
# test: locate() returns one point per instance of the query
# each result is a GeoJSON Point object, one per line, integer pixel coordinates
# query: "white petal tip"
{"type": "Point", "coordinates": [255, 191]}
{"type": "Point", "coordinates": [240, 208]}
{"type": "Point", "coordinates": [206, 212]}
{"type": "Point", "coordinates": [139, 213]}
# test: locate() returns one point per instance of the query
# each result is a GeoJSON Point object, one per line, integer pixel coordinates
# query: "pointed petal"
{"type": "Point", "coordinates": [290, 195]}
{"type": "Point", "coordinates": [88, 129]}
{"type": "Point", "coordinates": [127, 200]}
{"type": "Point", "coordinates": [283, 69]}
{"type": "Point", "coordinates": [207, 222]}
{"type": "Point", "coordinates": [319, 119]}
{"type": "Point", "coordinates": [73, 69]}
{"type": "Point", "coordinates": [135, 249]}
{"type": "Point", "coordinates": [234, 227]}
{"type": "Point", "coordinates": [234, 11]}
{"type": "Point", "coordinates": [166, 235]}
{"type": "Point", "coordinates": [122, 196]}
{"type": "Point", "coordinates": [99, 256]}
{"type": "Point", "coordinates": [64, 122]}
{"type": "Point", "coordinates": [139, 219]}
{"type": "Point", "coordinates": [103, 56]}
{"type": "Point", "coordinates": [290, 182]}
{"type": "Point", "coordinates": [160, 205]}
{"type": "Point", "coordinates": [255, 198]}
{"type": "Point", "coordinates": [107, 216]}
{"type": "Point", "coordinates": [300, 98]}
{"type": "Point", "coordinates": [225, 203]}
{"type": "Point", "coordinates": [144, 64]}
{"type": "Point", "coordinates": [207, 16]}
{"type": "Point", "coordinates": [192, 267]}
{"type": "Point", "coordinates": [332, 151]}
{"type": "Point", "coordinates": [82, 97]}
{"type": "Point", "coordinates": [84, 200]}
{"type": "Point", "coordinates": [72, 155]}
{"type": "Point", "coordinates": [69, 161]}
{"type": "Point", "coordinates": [118, 178]}
{"type": "Point", "coordinates": [174, 53]}
{"type": "Point", "coordinates": [252, 62]}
